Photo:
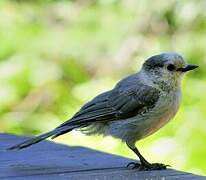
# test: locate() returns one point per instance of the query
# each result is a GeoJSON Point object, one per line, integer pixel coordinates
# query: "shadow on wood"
{"type": "Point", "coordinates": [48, 160]}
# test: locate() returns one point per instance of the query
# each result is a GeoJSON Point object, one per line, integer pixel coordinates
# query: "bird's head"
{"type": "Point", "coordinates": [166, 68]}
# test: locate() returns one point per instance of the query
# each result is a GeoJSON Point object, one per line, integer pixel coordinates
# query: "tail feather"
{"type": "Point", "coordinates": [64, 131]}
{"type": "Point", "coordinates": [56, 132]}
{"type": "Point", "coordinates": [60, 133]}
{"type": "Point", "coordinates": [32, 141]}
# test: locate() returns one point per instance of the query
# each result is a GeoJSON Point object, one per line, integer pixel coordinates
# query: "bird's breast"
{"type": "Point", "coordinates": [143, 125]}
{"type": "Point", "coordinates": [164, 110]}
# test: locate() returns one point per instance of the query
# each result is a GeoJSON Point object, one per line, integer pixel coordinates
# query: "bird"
{"type": "Point", "coordinates": [137, 106]}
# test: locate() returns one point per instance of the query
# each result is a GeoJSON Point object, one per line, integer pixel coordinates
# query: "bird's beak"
{"type": "Point", "coordinates": [188, 67]}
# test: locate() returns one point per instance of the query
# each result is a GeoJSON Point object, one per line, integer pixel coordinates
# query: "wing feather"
{"type": "Point", "coordinates": [115, 105]}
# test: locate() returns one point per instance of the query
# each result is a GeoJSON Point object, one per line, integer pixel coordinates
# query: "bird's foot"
{"type": "Point", "coordinates": [147, 167]}
{"type": "Point", "coordinates": [133, 165]}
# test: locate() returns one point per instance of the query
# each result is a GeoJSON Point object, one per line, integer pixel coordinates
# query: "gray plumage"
{"type": "Point", "coordinates": [136, 107]}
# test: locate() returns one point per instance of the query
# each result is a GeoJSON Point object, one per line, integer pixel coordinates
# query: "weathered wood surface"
{"type": "Point", "coordinates": [47, 160]}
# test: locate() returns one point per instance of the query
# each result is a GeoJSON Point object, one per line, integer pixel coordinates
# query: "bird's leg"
{"type": "Point", "coordinates": [144, 164]}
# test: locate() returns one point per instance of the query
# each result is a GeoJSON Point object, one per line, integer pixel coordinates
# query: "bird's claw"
{"type": "Point", "coordinates": [133, 165]}
{"type": "Point", "coordinates": [147, 167]}
{"type": "Point", "coordinates": [155, 166]}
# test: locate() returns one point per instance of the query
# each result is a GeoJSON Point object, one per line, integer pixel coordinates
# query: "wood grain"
{"type": "Point", "coordinates": [48, 160]}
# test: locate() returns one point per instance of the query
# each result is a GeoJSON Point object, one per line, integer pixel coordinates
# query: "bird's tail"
{"type": "Point", "coordinates": [37, 139]}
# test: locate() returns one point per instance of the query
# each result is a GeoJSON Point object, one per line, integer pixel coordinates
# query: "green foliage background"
{"type": "Point", "coordinates": [56, 55]}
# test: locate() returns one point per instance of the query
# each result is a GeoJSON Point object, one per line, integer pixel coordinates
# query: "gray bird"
{"type": "Point", "coordinates": [135, 108]}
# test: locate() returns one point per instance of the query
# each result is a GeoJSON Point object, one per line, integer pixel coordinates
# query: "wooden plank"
{"type": "Point", "coordinates": [48, 160]}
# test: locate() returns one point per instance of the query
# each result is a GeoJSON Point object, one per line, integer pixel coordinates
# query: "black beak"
{"type": "Point", "coordinates": [189, 67]}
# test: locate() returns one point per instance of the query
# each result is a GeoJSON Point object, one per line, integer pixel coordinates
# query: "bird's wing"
{"type": "Point", "coordinates": [117, 104]}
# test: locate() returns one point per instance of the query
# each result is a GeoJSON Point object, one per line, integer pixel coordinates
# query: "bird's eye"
{"type": "Point", "coordinates": [171, 67]}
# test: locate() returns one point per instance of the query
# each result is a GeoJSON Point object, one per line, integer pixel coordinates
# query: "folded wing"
{"type": "Point", "coordinates": [117, 104]}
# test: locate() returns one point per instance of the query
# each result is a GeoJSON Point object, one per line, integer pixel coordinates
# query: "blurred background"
{"type": "Point", "coordinates": [57, 55]}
